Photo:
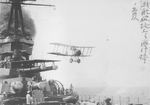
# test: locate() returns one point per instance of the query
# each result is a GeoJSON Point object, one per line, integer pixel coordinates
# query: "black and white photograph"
{"type": "Point", "coordinates": [74, 52]}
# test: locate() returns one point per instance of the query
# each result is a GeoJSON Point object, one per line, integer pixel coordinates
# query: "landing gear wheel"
{"type": "Point", "coordinates": [78, 60]}
{"type": "Point", "coordinates": [71, 60]}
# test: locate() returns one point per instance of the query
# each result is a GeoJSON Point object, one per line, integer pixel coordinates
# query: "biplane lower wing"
{"type": "Point", "coordinates": [60, 54]}
{"type": "Point", "coordinates": [54, 53]}
{"type": "Point", "coordinates": [84, 55]}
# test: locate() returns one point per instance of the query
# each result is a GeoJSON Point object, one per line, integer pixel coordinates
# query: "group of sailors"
{"type": "Point", "coordinates": [106, 101]}
{"type": "Point", "coordinates": [34, 92]}
{"type": "Point", "coordinates": [34, 97]}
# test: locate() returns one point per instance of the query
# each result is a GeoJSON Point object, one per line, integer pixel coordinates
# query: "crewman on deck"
{"type": "Point", "coordinates": [28, 98]}
{"type": "Point", "coordinates": [5, 88]}
{"type": "Point", "coordinates": [108, 101]}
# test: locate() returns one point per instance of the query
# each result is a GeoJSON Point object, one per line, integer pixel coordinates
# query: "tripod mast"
{"type": "Point", "coordinates": [16, 11]}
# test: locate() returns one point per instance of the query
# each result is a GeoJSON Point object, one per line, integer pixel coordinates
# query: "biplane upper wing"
{"type": "Point", "coordinates": [62, 49]}
{"type": "Point", "coordinates": [66, 45]}
{"type": "Point", "coordinates": [60, 44]}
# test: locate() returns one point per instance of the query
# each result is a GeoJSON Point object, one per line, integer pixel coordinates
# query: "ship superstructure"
{"type": "Point", "coordinates": [16, 43]}
{"type": "Point", "coordinates": [20, 76]}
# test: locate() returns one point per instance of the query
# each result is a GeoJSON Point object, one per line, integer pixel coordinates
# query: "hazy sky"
{"type": "Point", "coordinates": [104, 24]}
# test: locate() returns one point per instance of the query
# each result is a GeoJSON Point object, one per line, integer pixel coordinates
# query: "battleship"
{"type": "Point", "coordinates": [20, 79]}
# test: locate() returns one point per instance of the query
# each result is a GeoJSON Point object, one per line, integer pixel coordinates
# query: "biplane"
{"type": "Point", "coordinates": [75, 52]}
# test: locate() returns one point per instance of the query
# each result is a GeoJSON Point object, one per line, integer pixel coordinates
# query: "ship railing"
{"type": "Point", "coordinates": [31, 68]}
{"type": "Point", "coordinates": [53, 67]}
{"type": "Point", "coordinates": [4, 0]}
